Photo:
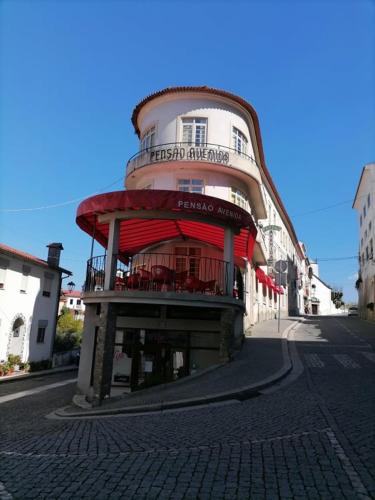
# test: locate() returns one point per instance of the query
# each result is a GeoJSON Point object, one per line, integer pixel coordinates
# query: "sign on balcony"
{"type": "Point", "coordinates": [193, 153]}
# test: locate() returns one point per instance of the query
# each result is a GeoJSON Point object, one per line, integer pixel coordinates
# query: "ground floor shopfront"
{"type": "Point", "coordinates": [127, 347]}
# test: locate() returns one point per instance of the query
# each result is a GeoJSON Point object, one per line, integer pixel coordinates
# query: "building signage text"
{"type": "Point", "coordinates": [209, 208]}
{"type": "Point", "coordinates": [189, 153]}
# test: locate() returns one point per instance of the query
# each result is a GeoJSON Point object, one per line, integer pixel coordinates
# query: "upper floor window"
{"type": "Point", "coordinates": [238, 198]}
{"type": "Point", "coordinates": [364, 211]}
{"type": "Point", "coordinates": [47, 284]}
{"type": "Point", "coordinates": [368, 200]}
{"type": "Point", "coordinates": [4, 264]}
{"type": "Point", "coordinates": [25, 277]}
{"type": "Point", "coordinates": [190, 185]}
{"type": "Point", "coordinates": [148, 139]}
{"type": "Point", "coordinates": [194, 131]}
{"type": "Point", "coordinates": [187, 260]}
{"type": "Point", "coordinates": [239, 141]}
{"type": "Point", "coordinates": [371, 249]}
{"type": "Point", "coordinates": [369, 227]}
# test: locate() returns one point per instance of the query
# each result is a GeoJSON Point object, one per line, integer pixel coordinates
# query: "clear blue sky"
{"type": "Point", "coordinates": [72, 72]}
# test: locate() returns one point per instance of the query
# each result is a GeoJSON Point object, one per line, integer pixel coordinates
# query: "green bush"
{"type": "Point", "coordinates": [67, 341]}
{"type": "Point", "coordinates": [14, 359]}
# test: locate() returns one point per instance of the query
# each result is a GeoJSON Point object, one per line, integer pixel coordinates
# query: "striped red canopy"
{"type": "Point", "coordinates": [137, 234]}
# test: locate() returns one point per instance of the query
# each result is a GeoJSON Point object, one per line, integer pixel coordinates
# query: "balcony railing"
{"type": "Point", "coordinates": [185, 151]}
{"type": "Point", "coordinates": [160, 272]}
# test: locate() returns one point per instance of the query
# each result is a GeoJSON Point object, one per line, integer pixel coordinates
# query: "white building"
{"type": "Point", "coordinates": [364, 204]}
{"type": "Point", "coordinates": [29, 297]}
{"type": "Point", "coordinates": [190, 245]}
{"type": "Point", "coordinates": [72, 300]}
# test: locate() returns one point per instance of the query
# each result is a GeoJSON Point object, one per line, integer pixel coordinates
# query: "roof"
{"type": "Point", "coordinates": [254, 116]}
{"type": "Point", "coordinates": [13, 252]}
{"type": "Point", "coordinates": [73, 294]}
{"type": "Point", "coordinates": [321, 281]}
{"type": "Point", "coordinates": [156, 216]}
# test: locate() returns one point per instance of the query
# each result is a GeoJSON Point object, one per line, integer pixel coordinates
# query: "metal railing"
{"type": "Point", "coordinates": [185, 151]}
{"type": "Point", "coordinates": [161, 272]}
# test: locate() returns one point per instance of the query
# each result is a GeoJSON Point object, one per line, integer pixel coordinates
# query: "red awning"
{"type": "Point", "coordinates": [138, 233]}
{"type": "Point", "coordinates": [261, 275]}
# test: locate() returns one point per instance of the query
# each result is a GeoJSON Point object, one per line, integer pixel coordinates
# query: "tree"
{"type": "Point", "coordinates": [69, 331]}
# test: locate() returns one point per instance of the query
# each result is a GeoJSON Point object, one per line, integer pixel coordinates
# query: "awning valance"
{"type": "Point", "coordinates": [160, 216]}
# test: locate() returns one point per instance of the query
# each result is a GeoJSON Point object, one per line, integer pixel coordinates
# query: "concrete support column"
{"type": "Point", "coordinates": [226, 333]}
{"type": "Point", "coordinates": [229, 257]}
{"type": "Point", "coordinates": [112, 251]}
{"type": "Point", "coordinates": [104, 353]}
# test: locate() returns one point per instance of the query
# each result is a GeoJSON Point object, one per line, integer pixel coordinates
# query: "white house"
{"type": "Point", "coordinates": [190, 245]}
{"type": "Point", "coordinates": [364, 204]}
{"type": "Point", "coordinates": [72, 300]}
{"type": "Point", "coordinates": [29, 297]}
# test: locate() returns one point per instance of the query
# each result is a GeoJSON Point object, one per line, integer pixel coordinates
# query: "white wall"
{"type": "Point", "coordinates": [31, 306]}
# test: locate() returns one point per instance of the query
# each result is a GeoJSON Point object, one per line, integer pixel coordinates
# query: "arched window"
{"type": "Point", "coordinates": [17, 327]}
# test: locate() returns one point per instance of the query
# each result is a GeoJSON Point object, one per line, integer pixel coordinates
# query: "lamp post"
{"type": "Point", "coordinates": [71, 285]}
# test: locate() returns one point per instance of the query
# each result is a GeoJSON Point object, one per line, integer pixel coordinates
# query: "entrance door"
{"type": "Point", "coordinates": [314, 308]}
{"type": "Point", "coordinates": [17, 337]}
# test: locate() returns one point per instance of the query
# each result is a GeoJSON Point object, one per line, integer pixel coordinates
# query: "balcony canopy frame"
{"type": "Point", "coordinates": [150, 217]}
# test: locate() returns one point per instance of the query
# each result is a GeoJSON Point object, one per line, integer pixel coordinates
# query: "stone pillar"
{"type": "Point", "coordinates": [229, 257]}
{"type": "Point", "coordinates": [226, 333]}
{"type": "Point", "coordinates": [112, 251]}
{"type": "Point", "coordinates": [104, 353]}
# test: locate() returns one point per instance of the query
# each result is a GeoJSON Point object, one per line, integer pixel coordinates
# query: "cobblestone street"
{"type": "Point", "coordinates": [310, 438]}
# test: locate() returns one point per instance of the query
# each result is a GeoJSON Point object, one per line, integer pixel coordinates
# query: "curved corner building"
{"type": "Point", "coordinates": [188, 246]}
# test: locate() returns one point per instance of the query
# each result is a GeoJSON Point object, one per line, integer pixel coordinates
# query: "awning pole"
{"type": "Point", "coordinates": [93, 239]}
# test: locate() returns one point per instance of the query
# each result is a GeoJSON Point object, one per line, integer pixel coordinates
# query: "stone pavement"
{"type": "Point", "coordinates": [263, 360]}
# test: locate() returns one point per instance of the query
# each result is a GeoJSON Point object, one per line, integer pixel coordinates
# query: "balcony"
{"type": "Point", "coordinates": [184, 151]}
{"type": "Point", "coordinates": [158, 273]}
{"type": "Point", "coordinates": [221, 158]}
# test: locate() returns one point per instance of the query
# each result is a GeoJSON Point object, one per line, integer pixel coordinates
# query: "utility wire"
{"type": "Point", "coordinates": [56, 205]}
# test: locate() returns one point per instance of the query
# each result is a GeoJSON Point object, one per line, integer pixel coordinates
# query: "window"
{"type": "Point", "coordinates": [17, 327]}
{"type": "Point", "coordinates": [360, 220]}
{"type": "Point", "coordinates": [364, 212]}
{"type": "Point", "coordinates": [194, 131]}
{"type": "Point", "coordinates": [188, 259]}
{"type": "Point", "coordinates": [367, 253]}
{"type": "Point", "coordinates": [47, 284]}
{"type": "Point", "coordinates": [190, 185]}
{"type": "Point", "coordinates": [78, 302]}
{"type": "Point", "coordinates": [238, 198]}
{"type": "Point", "coordinates": [366, 234]}
{"type": "Point", "coordinates": [25, 277]}
{"type": "Point", "coordinates": [41, 335]}
{"type": "Point", "coordinates": [71, 301]}
{"type": "Point", "coordinates": [239, 141]}
{"type": "Point", "coordinates": [148, 139]}
{"type": "Point", "coordinates": [42, 326]}
{"type": "Point", "coordinates": [369, 227]}
{"type": "Point", "coordinates": [368, 200]}
{"type": "Point", "coordinates": [361, 242]}
{"type": "Point", "coordinates": [4, 264]}
{"type": "Point", "coordinates": [371, 249]}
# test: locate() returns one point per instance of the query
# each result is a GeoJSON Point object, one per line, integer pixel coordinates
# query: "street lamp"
{"type": "Point", "coordinates": [71, 285]}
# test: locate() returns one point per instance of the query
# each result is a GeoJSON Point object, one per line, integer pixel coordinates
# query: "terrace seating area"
{"type": "Point", "coordinates": [162, 278]}
{"type": "Point", "coordinates": [157, 273]}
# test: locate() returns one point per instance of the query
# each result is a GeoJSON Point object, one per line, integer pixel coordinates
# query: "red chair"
{"type": "Point", "coordinates": [133, 281]}
{"type": "Point", "coordinates": [162, 274]}
{"type": "Point", "coordinates": [209, 287]}
{"type": "Point", "coordinates": [193, 284]}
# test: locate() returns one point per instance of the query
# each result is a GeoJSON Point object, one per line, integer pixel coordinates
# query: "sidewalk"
{"type": "Point", "coordinates": [22, 375]}
{"type": "Point", "coordinates": [263, 361]}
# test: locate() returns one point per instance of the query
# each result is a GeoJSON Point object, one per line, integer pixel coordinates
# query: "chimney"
{"type": "Point", "coordinates": [54, 250]}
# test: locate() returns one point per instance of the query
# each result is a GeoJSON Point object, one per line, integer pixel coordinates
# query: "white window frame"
{"type": "Point", "coordinates": [148, 139]}
{"type": "Point", "coordinates": [194, 137]}
{"type": "Point", "coordinates": [47, 284]}
{"type": "Point", "coordinates": [239, 141]}
{"type": "Point", "coordinates": [190, 185]}
{"type": "Point", "coordinates": [25, 278]}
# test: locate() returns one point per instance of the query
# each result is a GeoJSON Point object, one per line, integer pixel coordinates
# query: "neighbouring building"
{"type": "Point", "coordinates": [29, 298]}
{"type": "Point", "coordinates": [364, 201]}
{"type": "Point", "coordinates": [72, 300]}
{"type": "Point", "coordinates": [188, 249]}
